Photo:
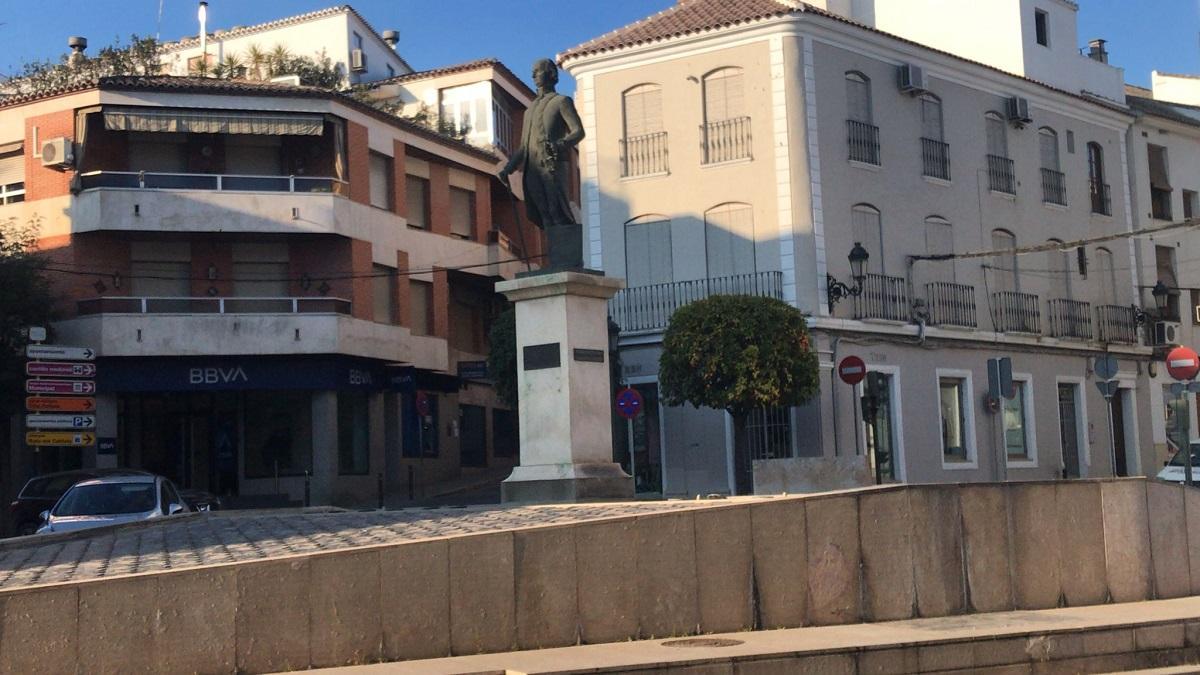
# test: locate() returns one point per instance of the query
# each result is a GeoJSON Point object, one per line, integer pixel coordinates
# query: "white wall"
{"type": "Point", "coordinates": [1175, 88]}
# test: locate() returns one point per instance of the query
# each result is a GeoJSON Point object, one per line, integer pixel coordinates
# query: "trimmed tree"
{"type": "Point", "coordinates": [502, 356]}
{"type": "Point", "coordinates": [738, 354]}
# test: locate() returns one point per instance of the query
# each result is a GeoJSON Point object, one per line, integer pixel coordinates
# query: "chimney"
{"type": "Point", "coordinates": [77, 43]}
{"type": "Point", "coordinates": [1096, 50]}
{"type": "Point", "coordinates": [202, 14]}
{"type": "Point", "coordinates": [391, 37]}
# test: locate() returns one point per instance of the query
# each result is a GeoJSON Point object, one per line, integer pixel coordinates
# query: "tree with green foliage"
{"type": "Point", "coordinates": [502, 356]}
{"type": "Point", "coordinates": [739, 354]}
{"type": "Point", "coordinates": [139, 57]}
{"type": "Point", "coordinates": [25, 300]}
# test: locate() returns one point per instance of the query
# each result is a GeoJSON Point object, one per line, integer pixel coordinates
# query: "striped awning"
{"type": "Point", "coordinates": [213, 122]}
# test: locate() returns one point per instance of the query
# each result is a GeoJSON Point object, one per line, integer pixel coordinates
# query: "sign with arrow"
{"type": "Point", "coordinates": [60, 352]}
{"type": "Point", "coordinates": [60, 387]}
{"type": "Point", "coordinates": [60, 421]}
{"type": "Point", "coordinates": [65, 438]}
{"type": "Point", "coordinates": [57, 369]}
{"type": "Point", "coordinates": [81, 404]}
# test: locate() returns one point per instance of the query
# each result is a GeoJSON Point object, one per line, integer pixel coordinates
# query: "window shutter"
{"type": "Point", "coordinates": [1049, 149]}
{"type": "Point", "coordinates": [997, 141]}
{"type": "Point", "coordinates": [643, 111]}
{"type": "Point", "coordinates": [858, 99]}
{"type": "Point", "coordinates": [1004, 264]}
{"type": "Point", "coordinates": [931, 118]}
{"type": "Point", "coordinates": [866, 227]}
{"type": "Point", "coordinates": [939, 240]}
{"type": "Point", "coordinates": [12, 169]}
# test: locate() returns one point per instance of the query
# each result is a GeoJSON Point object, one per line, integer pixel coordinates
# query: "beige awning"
{"type": "Point", "coordinates": [213, 122]}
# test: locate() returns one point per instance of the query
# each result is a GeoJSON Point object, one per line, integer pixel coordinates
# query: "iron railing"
{"type": "Point", "coordinates": [644, 308]}
{"type": "Point", "coordinates": [1001, 175]}
{"type": "Point", "coordinates": [211, 181]}
{"type": "Point", "coordinates": [205, 305]}
{"type": "Point", "coordinates": [1054, 187]}
{"type": "Point", "coordinates": [882, 297]}
{"type": "Point", "coordinates": [726, 140]}
{"type": "Point", "coordinates": [935, 159]}
{"type": "Point", "coordinates": [1070, 319]}
{"type": "Point", "coordinates": [644, 155]}
{"type": "Point", "coordinates": [951, 304]}
{"type": "Point", "coordinates": [864, 142]}
{"type": "Point", "coordinates": [1117, 324]}
{"type": "Point", "coordinates": [1101, 197]}
{"type": "Point", "coordinates": [1016, 312]}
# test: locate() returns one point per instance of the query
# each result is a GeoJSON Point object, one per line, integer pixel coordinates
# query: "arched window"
{"type": "Point", "coordinates": [1058, 271]}
{"type": "Point", "coordinates": [1001, 176]}
{"type": "Point", "coordinates": [1054, 188]}
{"type": "Point", "coordinates": [648, 250]}
{"type": "Point", "coordinates": [1097, 189]}
{"type": "Point", "coordinates": [1048, 144]}
{"type": "Point", "coordinates": [931, 118]}
{"type": "Point", "coordinates": [1004, 261]}
{"type": "Point", "coordinates": [867, 227]}
{"type": "Point", "coordinates": [729, 240]}
{"type": "Point", "coordinates": [997, 134]}
{"type": "Point", "coordinates": [642, 109]}
{"type": "Point", "coordinates": [724, 97]}
{"type": "Point", "coordinates": [858, 97]}
{"type": "Point", "coordinates": [939, 240]}
{"type": "Point", "coordinates": [1095, 162]}
{"type": "Point", "coordinates": [1106, 276]}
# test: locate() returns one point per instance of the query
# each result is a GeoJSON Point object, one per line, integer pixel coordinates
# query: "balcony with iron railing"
{"type": "Point", "coordinates": [1054, 187]}
{"type": "Point", "coordinates": [649, 308]}
{"type": "Point", "coordinates": [950, 304]}
{"type": "Point", "coordinates": [935, 159]}
{"type": "Point", "coordinates": [1117, 324]}
{"type": "Point", "coordinates": [1014, 312]}
{"type": "Point", "coordinates": [644, 155]}
{"type": "Point", "coordinates": [864, 142]}
{"type": "Point", "coordinates": [211, 181]}
{"type": "Point", "coordinates": [884, 298]}
{"type": "Point", "coordinates": [1101, 197]}
{"type": "Point", "coordinates": [1070, 319]}
{"type": "Point", "coordinates": [1002, 176]}
{"type": "Point", "coordinates": [207, 305]}
{"type": "Point", "coordinates": [726, 140]}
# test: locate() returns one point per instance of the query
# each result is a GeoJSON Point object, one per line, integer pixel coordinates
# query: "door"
{"type": "Point", "coordinates": [877, 423]}
{"type": "Point", "coordinates": [1118, 433]}
{"type": "Point", "coordinates": [1068, 429]}
{"type": "Point", "coordinates": [647, 439]}
{"type": "Point", "coordinates": [473, 435]}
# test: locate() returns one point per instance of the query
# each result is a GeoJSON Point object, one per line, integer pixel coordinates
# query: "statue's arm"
{"type": "Point", "coordinates": [513, 162]}
{"type": "Point", "coordinates": [574, 125]}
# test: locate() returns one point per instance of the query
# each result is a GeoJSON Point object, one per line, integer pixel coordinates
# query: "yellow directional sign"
{"type": "Point", "coordinates": [68, 438]}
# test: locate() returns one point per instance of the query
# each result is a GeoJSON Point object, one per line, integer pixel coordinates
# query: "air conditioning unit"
{"type": "Point", "coordinates": [286, 79]}
{"type": "Point", "coordinates": [58, 153]}
{"type": "Point", "coordinates": [912, 79]}
{"type": "Point", "coordinates": [1018, 111]}
{"type": "Point", "coordinates": [358, 61]}
{"type": "Point", "coordinates": [1165, 333]}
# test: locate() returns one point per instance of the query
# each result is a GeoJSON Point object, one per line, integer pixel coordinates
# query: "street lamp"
{"type": "Point", "coordinates": [1161, 294]}
{"type": "Point", "coordinates": [837, 291]}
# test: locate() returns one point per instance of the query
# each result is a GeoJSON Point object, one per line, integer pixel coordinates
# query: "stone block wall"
{"type": "Point", "coordinates": [865, 555]}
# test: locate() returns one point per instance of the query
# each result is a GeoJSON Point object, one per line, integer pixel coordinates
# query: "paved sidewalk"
{"type": "Point", "coordinates": [208, 539]}
{"type": "Point", "coordinates": [916, 645]}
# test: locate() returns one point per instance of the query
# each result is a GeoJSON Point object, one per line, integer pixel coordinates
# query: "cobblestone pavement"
{"type": "Point", "coordinates": [217, 538]}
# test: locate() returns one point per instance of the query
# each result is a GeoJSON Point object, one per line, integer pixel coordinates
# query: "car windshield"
{"type": "Point", "coordinates": [50, 487]}
{"type": "Point", "coordinates": [107, 499]}
{"type": "Point", "coordinates": [1177, 460]}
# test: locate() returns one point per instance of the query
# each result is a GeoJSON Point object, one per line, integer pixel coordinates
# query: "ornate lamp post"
{"type": "Point", "coordinates": [838, 291]}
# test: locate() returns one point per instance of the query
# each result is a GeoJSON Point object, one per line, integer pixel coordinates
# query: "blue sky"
{"type": "Point", "coordinates": [1143, 34]}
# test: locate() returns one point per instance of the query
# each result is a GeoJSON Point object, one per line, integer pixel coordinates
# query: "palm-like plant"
{"type": "Point", "coordinates": [278, 61]}
{"type": "Point", "coordinates": [230, 67]}
{"type": "Point", "coordinates": [256, 59]}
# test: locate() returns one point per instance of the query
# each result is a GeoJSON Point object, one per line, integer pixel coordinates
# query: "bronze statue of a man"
{"type": "Point", "coordinates": [551, 129]}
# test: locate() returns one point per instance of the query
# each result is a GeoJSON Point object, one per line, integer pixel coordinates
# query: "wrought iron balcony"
{"type": "Point", "coordinates": [211, 181]}
{"type": "Point", "coordinates": [935, 159]}
{"type": "Point", "coordinates": [649, 308]}
{"type": "Point", "coordinates": [726, 140]}
{"type": "Point", "coordinates": [1054, 187]}
{"type": "Point", "coordinates": [864, 142]}
{"type": "Point", "coordinates": [644, 155]}
{"type": "Point", "coordinates": [207, 305]}
{"type": "Point", "coordinates": [1016, 312]}
{"type": "Point", "coordinates": [951, 304]}
{"type": "Point", "coordinates": [1117, 324]}
{"type": "Point", "coordinates": [1001, 175]}
{"type": "Point", "coordinates": [1070, 319]}
{"type": "Point", "coordinates": [1101, 197]}
{"type": "Point", "coordinates": [882, 297]}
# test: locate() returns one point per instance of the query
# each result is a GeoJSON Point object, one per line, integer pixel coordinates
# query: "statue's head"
{"type": "Point", "coordinates": [545, 73]}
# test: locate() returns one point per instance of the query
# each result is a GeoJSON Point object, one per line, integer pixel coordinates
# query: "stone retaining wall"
{"type": "Point", "coordinates": [874, 554]}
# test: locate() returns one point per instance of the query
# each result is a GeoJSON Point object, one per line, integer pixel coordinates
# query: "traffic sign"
{"type": "Point", "coordinates": [60, 421]}
{"type": "Point", "coordinates": [57, 369]}
{"type": "Point", "coordinates": [852, 370]}
{"type": "Point", "coordinates": [1105, 367]}
{"type": "Point", "coordinates": [68, 438]}
{"type": "Point", "coordinates": [1183, 363]}
{"type": "Point", "coordinates": [60, 387]}
{"type": "Point", "coordinates": [422, 404]}
{"type": "Point", "coordinates": [60, 352]}
{"type": "Point", "coordinates": [1000, 382]}
{"type": "Point", "coordinates": [1108, 388]}
{"type": "Point", "coordinates": [50, 404]}
{"type": "Point", "coordinates": [629, 403]}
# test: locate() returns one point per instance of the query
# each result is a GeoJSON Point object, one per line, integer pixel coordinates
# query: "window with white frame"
{"type": "Point", "coordinates": [1018, 423]}
{"type": "Point", "coordinates": [954, 399]}
{"type": "Point", "coordinates": [12, 177]}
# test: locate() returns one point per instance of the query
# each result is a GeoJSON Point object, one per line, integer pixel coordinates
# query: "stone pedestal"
{"type": "Point", "coordinates": [563, 390]}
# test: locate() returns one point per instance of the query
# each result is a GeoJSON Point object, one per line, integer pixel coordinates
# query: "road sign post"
{"type": "Point", "coordinates": [853, 370]}
{"type": "Point", "coordinates": [628, 403]}
{"type": "Point", "coordinates": [1105, 368]}
{"type": "Point", "coordinates": [1183, 364]}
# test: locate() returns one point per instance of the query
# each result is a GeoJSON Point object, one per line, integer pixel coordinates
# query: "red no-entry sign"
{"type": "Point", "coordinates": [852, 370]}
{"type": "Point", "coordinates": [1183, 363]}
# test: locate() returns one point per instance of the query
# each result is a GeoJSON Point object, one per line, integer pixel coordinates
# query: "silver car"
{"type": "Point", "coordinates": [110, 500]}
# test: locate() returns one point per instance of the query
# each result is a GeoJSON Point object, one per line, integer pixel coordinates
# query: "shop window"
{"type": "Point", "coordinates": [354, 433]}
{"type": "Point", "coordinates": [278, 433]}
